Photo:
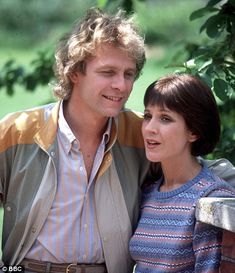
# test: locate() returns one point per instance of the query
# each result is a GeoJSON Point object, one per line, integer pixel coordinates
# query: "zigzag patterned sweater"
{"type": "Point", "coordinates": [168, 237]}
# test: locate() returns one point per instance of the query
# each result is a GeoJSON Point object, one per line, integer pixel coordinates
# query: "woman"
{"type": "Point", "coordinates": [181, 122]}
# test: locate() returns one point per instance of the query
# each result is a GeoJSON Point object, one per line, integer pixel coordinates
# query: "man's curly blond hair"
{"type": "Point", "coordinates": [87, 35]}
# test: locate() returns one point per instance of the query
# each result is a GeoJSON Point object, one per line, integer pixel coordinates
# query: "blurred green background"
{"type": "Point", "coordinates": [32, 26]}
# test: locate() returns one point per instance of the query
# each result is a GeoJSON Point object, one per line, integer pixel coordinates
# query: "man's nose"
{"type": "Point", "coordinates": [119, 82]}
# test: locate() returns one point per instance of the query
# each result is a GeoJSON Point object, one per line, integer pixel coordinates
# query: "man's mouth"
{"type": "Point", "coordinates": [112, 98]}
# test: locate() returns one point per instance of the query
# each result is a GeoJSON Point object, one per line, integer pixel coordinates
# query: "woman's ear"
{"type": "Point", "coordinates": [192, 137]}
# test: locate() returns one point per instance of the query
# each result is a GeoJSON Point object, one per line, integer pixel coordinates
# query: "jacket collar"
{"type": "Point", "coordinates": [46, 135]}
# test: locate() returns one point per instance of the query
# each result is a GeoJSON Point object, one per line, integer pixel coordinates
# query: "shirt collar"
{"type": "Point", "coordinates": [67, 135]}
{"type": "Point", "coordinates": [106, 135]}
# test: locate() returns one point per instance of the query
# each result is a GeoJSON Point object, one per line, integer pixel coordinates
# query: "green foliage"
{"type": "Point", "coordinates": [12, 74]}
{"type": "Point", "coordinates": [215, 61]}
{"type": "Point", "coordinates": [31, 21]}
{"type": "Point", "coordinates": [166, 22]}
{"type": "Point", "coordinates": [226, 147]}
{"type": "Point", "coordinates": [127, 5]}
{"type": "Point", "coordinates": [33, 24]}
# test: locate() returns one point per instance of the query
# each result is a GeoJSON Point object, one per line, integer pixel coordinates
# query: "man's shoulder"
{"type": "Point", "coordinates": [25, 115]}
{"type": "Point", "coordinates": [128, 115]}
{"type": "Point", "coordinates": [22, 125]}
{"type": "Point", "coordinates": [129, 128]}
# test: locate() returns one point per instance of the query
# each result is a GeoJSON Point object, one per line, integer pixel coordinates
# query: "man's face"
{"type": "Point", "coordinates": [106, 84]}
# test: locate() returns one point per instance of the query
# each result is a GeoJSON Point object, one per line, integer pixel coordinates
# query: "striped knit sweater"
{"type": "Point", "coordinates": [168, 237]}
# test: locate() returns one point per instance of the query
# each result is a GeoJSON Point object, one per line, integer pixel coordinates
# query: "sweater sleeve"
{"type": "Point", "coordinates": [207, 245]}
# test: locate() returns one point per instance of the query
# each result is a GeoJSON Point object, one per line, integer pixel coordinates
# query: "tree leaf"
{"type": "Point", "coordinates": [222, 89]}
{"type": "Point", "coordinates": [232, 2]}
{"type": "Point", "coordinates": [206, 78]}
{"type": "Point", "coordinates": [9, 89]}
{"type": "Point", "coordinates": [190, 64]}
{"type": "Point", "coordinates": [214, 26]}
{"type": "Point", "coordinates": [213, 2]}
{"type": "Point", "coordinates": [231, 69]}
{"type": "Point", "coordinates": [205, 64]}
{"type": "Point", "coordinates": [201, 12]}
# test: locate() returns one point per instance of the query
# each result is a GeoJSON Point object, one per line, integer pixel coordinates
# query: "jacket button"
{"type": "Point", "coordinates": [8, 208]}
{"type": "Point", "coordinates": [34, 230]}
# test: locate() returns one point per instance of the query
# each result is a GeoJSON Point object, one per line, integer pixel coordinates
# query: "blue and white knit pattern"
{"type": "Point", "coordinates": [168, 237]}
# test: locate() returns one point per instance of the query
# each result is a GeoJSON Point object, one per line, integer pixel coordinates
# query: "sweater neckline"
{"type": "Point", "coordinates": [182, 188]}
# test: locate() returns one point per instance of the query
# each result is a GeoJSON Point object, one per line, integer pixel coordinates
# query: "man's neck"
{"type": "Point", "coordinates": [83, 124]}
{"type": "Point", "coordinates": [88, 129]}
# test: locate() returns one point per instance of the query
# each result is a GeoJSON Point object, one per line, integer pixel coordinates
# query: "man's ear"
{"type": "Point", "coordinates": [74, 77]}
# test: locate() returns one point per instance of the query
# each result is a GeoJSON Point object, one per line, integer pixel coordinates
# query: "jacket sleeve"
{"type": "Point", "coordinates": [222, 168]}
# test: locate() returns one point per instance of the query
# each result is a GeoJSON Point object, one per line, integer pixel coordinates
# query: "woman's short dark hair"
{"type": "Point", "coordinates": [193, 99]}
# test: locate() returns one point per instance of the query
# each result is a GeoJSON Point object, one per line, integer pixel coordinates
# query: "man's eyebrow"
{"type": "Point", "coordinates": [114, 67]}
{"type": "Point", "coordinates": [106, 66]}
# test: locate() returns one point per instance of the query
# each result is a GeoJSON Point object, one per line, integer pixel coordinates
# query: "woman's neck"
{"type": "Point", "coordinates": [178, 173]}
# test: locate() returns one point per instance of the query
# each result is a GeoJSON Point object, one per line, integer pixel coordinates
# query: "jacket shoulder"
{"type": "Point", "coordinates": [222, 168]}
{"type": "Point", "coordinates": [20, 127]}
{"type": "Point", "coordinates": [129, 128]}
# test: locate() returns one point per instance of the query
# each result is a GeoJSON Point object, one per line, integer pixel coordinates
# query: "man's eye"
{"type": "Point", "coordinates": [129, 75]}
{"type": "Point", "coordinates": [107, 72]}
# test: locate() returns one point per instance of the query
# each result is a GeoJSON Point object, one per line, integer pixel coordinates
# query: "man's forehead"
{"type": "Point", "coordinates": [108, 54]}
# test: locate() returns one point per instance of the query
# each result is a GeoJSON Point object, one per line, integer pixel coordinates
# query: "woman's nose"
{"type": "Point", "coordinates": [152, 126]}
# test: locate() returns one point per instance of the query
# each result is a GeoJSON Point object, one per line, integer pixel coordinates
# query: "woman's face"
{"type": "Point", "coordinates": [166, 136]}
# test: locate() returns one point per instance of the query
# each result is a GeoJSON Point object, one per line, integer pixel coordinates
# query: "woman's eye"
{"type": "Point", "coordinates": [165, 119]}
{"type": "Point", "coordinates": [147, 116]}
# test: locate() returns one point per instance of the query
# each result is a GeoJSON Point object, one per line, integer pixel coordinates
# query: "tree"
{"type": "Point", "coordinates": [215, 62]}
{"type": "Point", "coordinates": [41, 74]}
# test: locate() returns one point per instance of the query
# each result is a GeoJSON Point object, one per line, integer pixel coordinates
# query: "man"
{"type": "Point", "coordinates": [71, 172]}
